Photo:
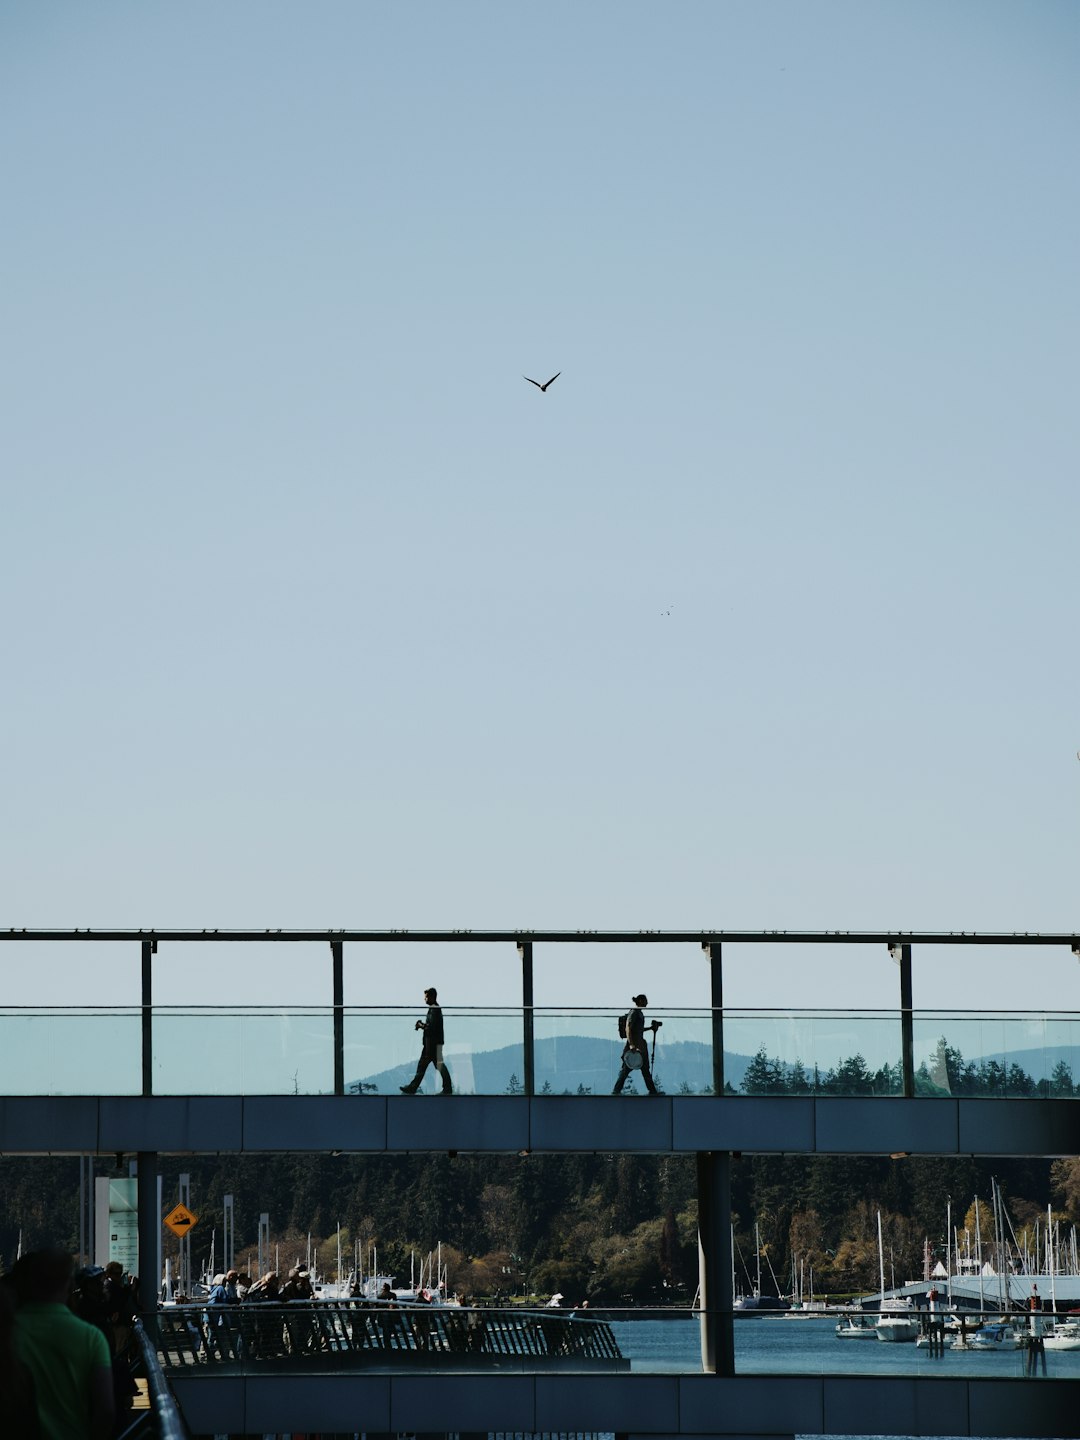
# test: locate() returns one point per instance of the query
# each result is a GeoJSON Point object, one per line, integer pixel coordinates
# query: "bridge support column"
{"type": "Point", "coordinates": [714, 1263]}
{"type": "Point", "coordinates": [149, 1226]}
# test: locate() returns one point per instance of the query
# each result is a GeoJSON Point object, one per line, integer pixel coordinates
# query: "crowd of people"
{"type": "Point", "coordinates": [213, 1330]}
{"type": "Point", "coordinates": [66, 1349]}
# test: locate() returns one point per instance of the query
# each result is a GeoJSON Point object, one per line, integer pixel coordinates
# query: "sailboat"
{"type": "Point", "coordinates": [896, 1321]}
{"type": "Point", "coordinates": [757, 1303]}
{"type": "Point", "coordinates": [1064, 1334]}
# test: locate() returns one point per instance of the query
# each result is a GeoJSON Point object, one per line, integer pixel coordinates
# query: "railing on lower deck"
{"type": "Point", "coordinates": [355, 1334]}
{"type": "Point", "coordinates": [366, 1337]}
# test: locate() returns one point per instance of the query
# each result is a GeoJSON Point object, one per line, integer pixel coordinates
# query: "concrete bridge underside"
{"type": "Point", "coordinates": [793, 1125]}
{"type": "Point", "coordinates": [652, 1406]}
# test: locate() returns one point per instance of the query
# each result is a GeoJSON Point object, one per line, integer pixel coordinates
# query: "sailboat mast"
{"type": "Point", "coordinates": [733, 1290]}
{"type": "Point", "coordinates": [948, 1250]}
{"type": "Point", "coordinates": [757, 1248]}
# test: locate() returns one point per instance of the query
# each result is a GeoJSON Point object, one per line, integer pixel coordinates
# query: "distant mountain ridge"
{"type": "Point", "coordinates": [567, 1065]}
{"type": "Point", "coordinates": [576, 1064]}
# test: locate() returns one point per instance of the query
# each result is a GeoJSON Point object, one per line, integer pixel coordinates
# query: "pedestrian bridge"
{"type": "Point", "coordinates": [1010, 1092]}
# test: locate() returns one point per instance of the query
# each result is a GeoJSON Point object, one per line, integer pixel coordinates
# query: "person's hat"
{"type": "Point", "coordinates": [640, 999]}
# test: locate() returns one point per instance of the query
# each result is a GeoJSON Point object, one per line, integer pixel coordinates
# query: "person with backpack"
{"type": "Point", "coordinates": [635, 1055]}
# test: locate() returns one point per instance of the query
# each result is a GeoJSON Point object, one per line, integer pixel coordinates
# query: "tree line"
{"type": "Point", "coordinates": [610, 1228]}
{"type": "Point", "coordinates": [945, 1073]}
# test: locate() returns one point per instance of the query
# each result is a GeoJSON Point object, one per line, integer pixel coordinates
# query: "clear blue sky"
{"type": "Point", "coordinates": [764, 615]}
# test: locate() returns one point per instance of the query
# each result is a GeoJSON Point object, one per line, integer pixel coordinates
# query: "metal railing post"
{"type": "Point", "coordinates": [149, 948]}
{"type": "Point", "coordinates": [712, 949]}
{"type": "Point", "coordinates": [902, 955]}
{"type": "Point", "coordinates": [337, 952]}
{"type": "Point", "coordinates": [525, 950]}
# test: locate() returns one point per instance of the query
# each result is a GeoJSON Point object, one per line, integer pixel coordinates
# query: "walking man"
{"type": "Point", "coordinates": [431, 1051]}
{"type": "Point", "coordinates": [635, 1055]}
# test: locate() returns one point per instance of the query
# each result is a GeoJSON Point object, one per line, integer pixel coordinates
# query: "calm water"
{"type": "Point", "coordinates": [811, 1347]}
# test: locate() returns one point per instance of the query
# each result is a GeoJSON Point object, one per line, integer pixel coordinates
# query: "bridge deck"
{"type": "Point", "coordinates": [797, 1125]}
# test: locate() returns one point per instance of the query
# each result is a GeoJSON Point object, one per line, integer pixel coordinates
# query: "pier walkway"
{"type": "Point", "coordinates": [1013, 1096]}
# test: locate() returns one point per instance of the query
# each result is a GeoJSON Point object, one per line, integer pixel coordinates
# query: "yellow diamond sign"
{"type": "Point", "coordinates": [181, 1220]}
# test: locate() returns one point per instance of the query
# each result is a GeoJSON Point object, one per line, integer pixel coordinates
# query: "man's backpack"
{"type": "Point", "coordinates": [622, 1026]}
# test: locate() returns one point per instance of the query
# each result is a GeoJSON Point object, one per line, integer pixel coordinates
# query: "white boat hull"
{"type": "Point", "coordinates": [892, 1331]}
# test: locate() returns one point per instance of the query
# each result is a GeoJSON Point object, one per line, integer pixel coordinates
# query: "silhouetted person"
{"type": "Point", "coordinates": [18, 1400]}
{"type": "Point", "coordinates": [635, 1055]}
{"type": "Point", "coordinates": [69, 1359]}
{"type": "Point", "coordinates": [431, 1052]}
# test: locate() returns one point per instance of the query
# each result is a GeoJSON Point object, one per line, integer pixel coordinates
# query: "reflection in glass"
{"type": "Point", "coordinates": [812, 1053]}
{"type": "Point", "coordinates": [997, 1056]}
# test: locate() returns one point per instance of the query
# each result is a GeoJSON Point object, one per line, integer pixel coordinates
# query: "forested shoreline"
{"type": "Point", "coordinates": [610, 1228]}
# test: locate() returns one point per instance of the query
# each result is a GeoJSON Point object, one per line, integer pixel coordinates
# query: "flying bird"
{"type": "Point", "coordinates": [546, 383]}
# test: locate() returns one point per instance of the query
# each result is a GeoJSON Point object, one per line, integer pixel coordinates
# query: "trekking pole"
{"type": "Point", "coordinates": [655, 1026]}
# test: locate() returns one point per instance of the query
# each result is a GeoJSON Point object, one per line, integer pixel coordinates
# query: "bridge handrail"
{"type": "Point", "coordinates": [194, 1334]}
{"type": "Point", "coordinates": [165, 1413]}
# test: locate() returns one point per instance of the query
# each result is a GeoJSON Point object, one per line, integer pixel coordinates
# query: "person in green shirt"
{"type": "Point", "coordinates": [69, 1359]}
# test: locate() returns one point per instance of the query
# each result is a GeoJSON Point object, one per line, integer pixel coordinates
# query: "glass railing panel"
{"type": "Point", "coordinates": [484, 1051]}
{"type": "Point", "coordinates": [1010, 1055]}
{"type": "Point", "coordinates": [70, 1052]}
{"type": "Point", "coordinates": [272, 1050]}
{"type": "Point", "coordinates": [213, 1051]}
{"type": "Point", "coordinates": [1061, 1055]}
{"type": "Point", "coordinates": [960, 1055]}
{"type": "Point", "coordinates": [579, 1052]}
{"type": "Point", "coordinates": [778, 1052]}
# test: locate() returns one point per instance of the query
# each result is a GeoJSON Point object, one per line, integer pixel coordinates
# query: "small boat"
{"type": "Point", "coordinates": [987, 1337]}
{"type": "Point", "coordinates": [1064, 1336]}
{"type": "Point", "coordinates": [856, 1327]}
{"type": "Point", "coordinates": [896, 1319]}
{"type": "Point", "coordinates": [748, 1305]}
{"type": "Point", "coordinates": [897, 1323]}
